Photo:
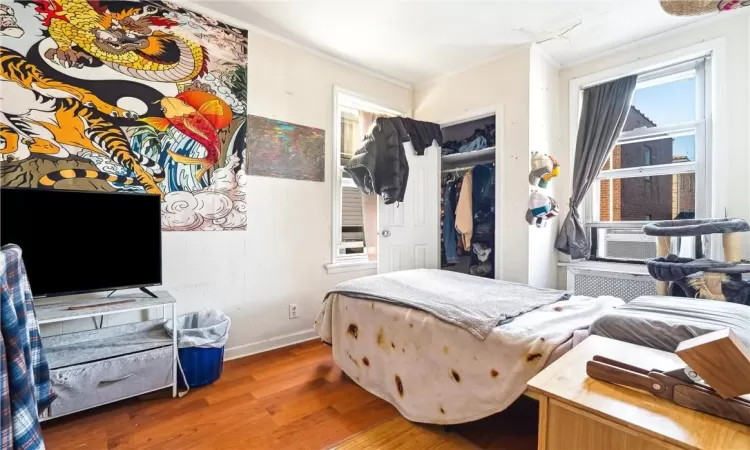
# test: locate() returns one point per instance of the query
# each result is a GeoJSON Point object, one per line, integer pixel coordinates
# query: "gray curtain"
{"type": "Point", "coordinates": [603, 114]}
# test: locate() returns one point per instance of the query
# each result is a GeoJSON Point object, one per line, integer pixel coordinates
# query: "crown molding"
{"type": "Point", "coordinates": [290, 42]}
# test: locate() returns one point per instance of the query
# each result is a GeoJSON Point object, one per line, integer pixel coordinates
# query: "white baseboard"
{"type": "Point", "coordinates": [269, 344]}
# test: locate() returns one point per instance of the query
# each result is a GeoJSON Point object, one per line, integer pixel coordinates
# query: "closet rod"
{"type": "Point", "coordinates": [458, 169]}
{"type": "Point", "coordinates": [465, 168]}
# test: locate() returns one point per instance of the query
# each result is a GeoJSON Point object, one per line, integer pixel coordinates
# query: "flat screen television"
{"type": "Point", "coordinates": [78, 241]}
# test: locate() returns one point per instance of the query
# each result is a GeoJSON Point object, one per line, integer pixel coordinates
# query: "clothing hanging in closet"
{"type": "Point", "coordinates": [450, 200]}
{"type": "Point", "coordinates": [468, 220]}
{"type": "Point", "coordinates": [464, 212]}
{"type": "Point", "coordinates": [483, 208]}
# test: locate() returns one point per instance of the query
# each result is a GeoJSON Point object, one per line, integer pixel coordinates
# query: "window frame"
{"type": "Point", "coordinates": [711, 199]}
{"type": "Point", "coordinates": [694, 128]}
{"type": "Point", "coordinates": [352, 100]}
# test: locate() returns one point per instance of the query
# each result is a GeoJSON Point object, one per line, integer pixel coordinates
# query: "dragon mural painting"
{"type": "Point", "coordinates": [126, 95]}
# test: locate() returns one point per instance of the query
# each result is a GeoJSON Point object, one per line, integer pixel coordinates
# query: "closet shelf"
{"type": "Point", "coordinates": [482, 156]}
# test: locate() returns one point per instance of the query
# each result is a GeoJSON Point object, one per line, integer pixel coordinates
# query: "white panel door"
{"type": "Point", "coordinates": [408, 233]}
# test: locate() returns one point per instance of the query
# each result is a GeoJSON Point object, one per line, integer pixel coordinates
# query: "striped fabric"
{"type": "Point", "coordinates": [25, 389]}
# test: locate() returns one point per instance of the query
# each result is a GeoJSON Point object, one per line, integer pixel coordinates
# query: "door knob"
{"type": "Point", "coordinates": [385, 233]}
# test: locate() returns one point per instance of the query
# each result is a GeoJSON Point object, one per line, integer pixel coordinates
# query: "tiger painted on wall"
{"type": "Point", "coordinates": [15, 68]}
{"type": "Point", "coordinates": [15, 147]}
{"type": "Point", "coordinates": [60, 126]}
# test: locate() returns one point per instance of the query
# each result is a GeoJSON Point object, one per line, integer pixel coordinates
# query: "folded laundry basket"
{"type": "Point", "coordinates": [201, 337]}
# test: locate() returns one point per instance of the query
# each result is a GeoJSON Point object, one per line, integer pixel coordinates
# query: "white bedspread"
{"type": "Point", "coordinates": [435, 372]}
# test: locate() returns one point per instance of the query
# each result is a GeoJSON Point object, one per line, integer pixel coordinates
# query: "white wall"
{"type": "Point", "coordinates": [733, 28]}
{"type": "Point", "coordinates": [254, 275]}
{"type": "Point", "coordinates": [544, 137]}
{"type": "Point", "coordinates": [504, 81]}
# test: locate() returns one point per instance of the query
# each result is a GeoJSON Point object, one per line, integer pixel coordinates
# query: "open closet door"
{"type": "Point", "coordinates": [408, 233]}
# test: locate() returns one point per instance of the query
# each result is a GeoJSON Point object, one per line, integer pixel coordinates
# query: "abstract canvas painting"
{"type": "Point", "coordinates": [285, 150]}
{"type": "Point", "coordinates": [143, 96]}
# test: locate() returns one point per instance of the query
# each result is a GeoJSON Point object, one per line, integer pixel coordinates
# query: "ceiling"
{"type": "Point", "coordinates": [416, 41]}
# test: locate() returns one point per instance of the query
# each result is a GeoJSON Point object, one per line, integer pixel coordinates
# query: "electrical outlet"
{"type": "Point", "coordinates": [292, 311]}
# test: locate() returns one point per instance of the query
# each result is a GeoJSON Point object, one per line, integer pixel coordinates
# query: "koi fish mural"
{"type": "Point", "coordinates": [189, 113]}
{"type": "Point", "coordinates": [144, 96]}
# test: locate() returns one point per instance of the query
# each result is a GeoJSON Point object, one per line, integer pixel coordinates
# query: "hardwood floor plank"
{"type": "Point", "coordinates": [273, 385]}
{"type": "Point", "coordinates": [284, 412]}
{"type": "Point", "coordinates": [306, 346]}
{"type": "Point", "coordinates": [180, 431]}
{"type": "Point", "coordinates": [372, 413]}
{"type": "Point", "coordinates": [313, 356]}
{"type": "Point", "coordinates": [399, 433]}
{"type": "Point", "coordinates": [96, 439]}
{"type": "Point", "coordinates": [355, 401]}
{"type": "Point", "coordinates": [314, 431]}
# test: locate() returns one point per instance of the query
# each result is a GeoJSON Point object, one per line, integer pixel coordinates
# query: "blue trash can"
{"type": "Point", "coordinates": [201, 366]}
{"type": "Point", "coordinates": [201, 337]}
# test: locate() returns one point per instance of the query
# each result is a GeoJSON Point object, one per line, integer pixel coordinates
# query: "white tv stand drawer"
{"type": "Point", "coordinates": [97, 383]}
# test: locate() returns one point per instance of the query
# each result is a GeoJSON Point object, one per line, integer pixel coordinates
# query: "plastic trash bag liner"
{"type": "Point", "coordinates": [208, 328]}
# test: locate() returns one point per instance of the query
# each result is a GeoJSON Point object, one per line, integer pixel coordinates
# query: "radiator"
{"type": "Point", "coordinates": [595, 283]}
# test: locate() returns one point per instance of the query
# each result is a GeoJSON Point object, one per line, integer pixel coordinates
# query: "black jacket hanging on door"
{"type": "Point", "coordinates": [421, 133]}
{"type": "Point", "coordinates": [380, 164]}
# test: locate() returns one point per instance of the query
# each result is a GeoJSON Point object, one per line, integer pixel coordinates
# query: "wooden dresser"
{"type": "Point", "coordinates": [580, 413]}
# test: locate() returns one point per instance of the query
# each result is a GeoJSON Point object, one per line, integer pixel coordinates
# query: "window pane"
{"type": "Point", "coordinates": [358, 223]}
{"type": "Point", "coordinates": [350, 135]}
{"type": "Point", "coordinates": [662, 104]}
{"type": "Point", "coordinates": [663, 197]}
{"type": "Point", "coordinates": [666, 150]}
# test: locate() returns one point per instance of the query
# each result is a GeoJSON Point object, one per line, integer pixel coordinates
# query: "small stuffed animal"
{"type": "Point", "coordinates": [541, 208]}
{"type": "Point", "coordinates": [543, 169]}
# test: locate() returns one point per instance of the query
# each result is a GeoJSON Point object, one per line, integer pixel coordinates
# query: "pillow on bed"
{"type": "Point", "coordinates": [663, 322]}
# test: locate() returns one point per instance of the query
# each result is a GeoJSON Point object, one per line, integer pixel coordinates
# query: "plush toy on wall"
{"type": "Point", "coordinates": [541, 208]}
{"type": "Point", "coordinates": [543, 169]}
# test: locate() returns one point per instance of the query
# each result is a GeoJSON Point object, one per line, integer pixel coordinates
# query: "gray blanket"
{"type": "Point", "coordinates": [664, 322]}
{"type": "Point", "coordinates": [475, 304]}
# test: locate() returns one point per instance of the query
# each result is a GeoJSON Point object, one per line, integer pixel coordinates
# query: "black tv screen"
{"type": "Point", "coordinates": [76, 241]}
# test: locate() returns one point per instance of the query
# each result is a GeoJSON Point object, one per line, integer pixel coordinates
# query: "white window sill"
{"type": "Point", "coordinates": [605, 266]}
{"type": "Point", "coordinates": [351, 266]}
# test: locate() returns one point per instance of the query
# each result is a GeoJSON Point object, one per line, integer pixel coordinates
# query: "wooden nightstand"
{"type": "Point", "coordinates": [579, 413]}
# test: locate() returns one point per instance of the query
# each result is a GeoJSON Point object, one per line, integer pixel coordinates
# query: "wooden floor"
{"type": "Point", "coordinates": [291, 398]}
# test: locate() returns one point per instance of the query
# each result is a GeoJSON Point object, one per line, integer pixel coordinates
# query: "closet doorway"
{"type": "Point", "coordinates": [470, 195]}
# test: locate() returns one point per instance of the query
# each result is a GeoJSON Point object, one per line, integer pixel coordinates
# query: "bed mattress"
{"type": "Point", "coordinates": [435, 372]}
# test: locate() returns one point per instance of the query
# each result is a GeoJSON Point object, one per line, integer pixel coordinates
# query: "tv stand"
{"type": "Point", "coordinates": [146, 291]}
{"type": "Point", "coordinates": [103, 365]}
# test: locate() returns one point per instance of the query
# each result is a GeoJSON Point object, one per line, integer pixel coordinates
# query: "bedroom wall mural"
{"type": "Point", "coordinates": [126, 96]}
{"type": "Point", "coordinates": [285, 150]}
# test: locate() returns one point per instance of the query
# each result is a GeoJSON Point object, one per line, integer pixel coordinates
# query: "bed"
{"type": "Point", "coordinates": [438, 372]}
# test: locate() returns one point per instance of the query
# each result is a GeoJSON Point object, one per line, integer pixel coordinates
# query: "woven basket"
{"type": "Point", "coordinates": [690, 7]}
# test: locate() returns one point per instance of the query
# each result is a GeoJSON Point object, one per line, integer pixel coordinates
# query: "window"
{"type": "Point", "coordinates": [657, 168]}
{"type": "Point", "coordinates": [355, 214]}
